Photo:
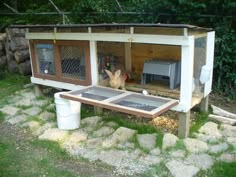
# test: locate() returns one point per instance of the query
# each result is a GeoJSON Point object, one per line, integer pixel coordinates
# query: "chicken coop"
{"type": "Point", "coordinates": [173, 63]}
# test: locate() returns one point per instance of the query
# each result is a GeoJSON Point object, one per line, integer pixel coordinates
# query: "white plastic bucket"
{"type": "Point", "coordinates": [68, 112]}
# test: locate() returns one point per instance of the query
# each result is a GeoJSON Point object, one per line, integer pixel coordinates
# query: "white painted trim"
{"type": "Point", "coordinates": [210, 45]}
{"type": "Point", "coordinates": [94, 62]}
{"type": "Point", "coordinates": [56, 84]}
{"type": "Point", "coordinates": [187, 61]}
{"type": "Point", "coordinates": [117, 37]}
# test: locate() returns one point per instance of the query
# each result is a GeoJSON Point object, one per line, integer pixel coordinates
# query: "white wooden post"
{"type": "Point", "coordinates": [186, 84]}
{"type": "Point", "coordinates": [94, 62]}
{"type": "Point", "coordinates": [210, 45]}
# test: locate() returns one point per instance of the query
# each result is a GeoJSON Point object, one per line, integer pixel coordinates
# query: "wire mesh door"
{"type": "Point", "coordinates": [73, 62]}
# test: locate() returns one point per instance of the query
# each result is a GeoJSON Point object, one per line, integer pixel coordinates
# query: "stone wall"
{"type": "Point", "coordinates": [16, 52]}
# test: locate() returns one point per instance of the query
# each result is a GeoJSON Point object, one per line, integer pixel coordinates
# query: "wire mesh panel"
{"type": "Point", "coordinates": [45, 58]}
{"type": "Point", "coordinates": [73, 62]}
{"type": "Point", "coordinates": [199, 61]}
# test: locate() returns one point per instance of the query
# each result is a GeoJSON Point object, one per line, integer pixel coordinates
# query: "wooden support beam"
{"type": "Point", "coordinates": [38, 89]}
{"type": "Point", "coordinates": [204, 104]}
{"type": "Point", "coordinates": [183, 127]}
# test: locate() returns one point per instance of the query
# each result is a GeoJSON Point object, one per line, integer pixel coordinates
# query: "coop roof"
{"type": "Point", "coordinates": [115, 25]}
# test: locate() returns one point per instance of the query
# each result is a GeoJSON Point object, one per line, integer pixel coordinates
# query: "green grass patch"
{"type": "Point", "coordinates": [200, 120]}
{"type": "Point", "coordinates": [2, 116]}
{"type": "Point", "coordinates": [51, 146]}
{"type": "Point", "coordinates": [35, 118]}
{"type": "Point", "coordinates": [9, 84]}
{"type": "Point", "coordinates": [220, 169]}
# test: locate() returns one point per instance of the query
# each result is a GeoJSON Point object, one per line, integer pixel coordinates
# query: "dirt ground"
{"type": "Point", "coordinates": [29, 157]}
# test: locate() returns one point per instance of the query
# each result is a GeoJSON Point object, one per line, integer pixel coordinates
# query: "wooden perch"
{"type": "Point", "coordinates": [222, 112]}
{"type": "Point", "coordinates": [223, 119]}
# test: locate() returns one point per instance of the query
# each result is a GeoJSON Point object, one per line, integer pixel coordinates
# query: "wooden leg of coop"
{"type": "Point", "coordinates": [98, 110]}
{"type": "Point", "coordinates": [38, 89]}
{"type": "Point", "coordinates": [204, 104]}
{"type": "Point", "coordinates": [184, 120]}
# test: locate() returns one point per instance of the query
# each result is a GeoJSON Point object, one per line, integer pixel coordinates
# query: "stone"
{"type": "Point", "coordinates": [228, 130]}
{"type": "Point", "coordinates": [126, 145]}
{"type": "Point", "coordinates": [232, 141]}
{"type": "Point", "coordinates": [218, 148]}
{"type": "Point", "coordinates": [34, 111]}
{"type": "Point", "coordinates": [24, 102]}
{"type": "Point", "coordinates": [155, 151]}
{"type": "Point", "coordinates": [195, 146]}
{"type": "Point", "coordinates": [112, 124]}
{"type": "Point", "coordinates": [32, 125]}
{"type": "Point", "coordinates": [91, 121]}
{"type": "Point", "coordinates": [178, 154]}
{"type": "Point", "coordinates": [208, 138]}
{"type": "Point", "coordinates": [150, 159]}
{"type": "Point", "coordinates": [94, 143]}
{"type": "Point", "coordinates": [113, 157]}
{"type": "Point", "coordinates": [51, 107]}
{"type": "Point", "coordinates": [202, 161]}
{"type": "Point", "coordinates": [210, 128]}
{"type": "Point", "coordinates": [41, 103]}
{"type": "Point", "coordinates": [28, 95]}
{"type": "Point", "coordinates": [121, 135]}
{"type": "Point", "coordinates": [78, 136]}
{"type": "Point", "coordinates": [147, 141]}
{"type": "Point", "coordinates": [17, 119]}
{"type": "Point", "coordinates": [9, 110]}
{"type": "Point", "coordinates": [43, 128]}
{"type": "Point", "coordinates": [46, 115]}
{"type": "Point", "coordinates": [169, 140]}
{"type": "Point", "coordinates": [103, 131]}
{"type": "Point", "coordinates": [227, 157]}
{"type": "Point", "coordinates": [54, 134]}
{"type": "Point", "coordinates": [179, 169]}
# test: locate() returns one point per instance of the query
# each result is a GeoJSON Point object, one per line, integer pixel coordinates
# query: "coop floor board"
{"type": "Point", "coordinates": [122, 101]}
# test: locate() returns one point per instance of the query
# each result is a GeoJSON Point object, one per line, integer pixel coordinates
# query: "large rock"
{"type": "Point", "coordinates": [9, 110]}
{"type": "Point", "coordinates": [34, 111]}
{"type": "Point", "coordinates": [202, 161]}
{"type": "Point", "coordinates": [32, 125]}
{"type": "Point", "coordinates": [46, 115]}
{"type": "Point", "coordinates": [121, 135]}
{"type": "Point", "coordinates": [17, 119]}
{"type": "Point", "coordinates": [169, 140]}
{"type": "Point", "coordinates": [228, 130]}
{"type": "Point", "coordinates": [179, 169]}
{"type": "Point", "coordinates": [94, 143]}
{"type": "Point", "coordinates": [104, 131]}
{"type": "Point", "coordinates": [232, 141]}
{"type": "Point", "coordinates": [195, 146]}
{"type": "Point", "coordinates": [150, 159]}
{"type": "Point", "coordinates": [147, 141]}
{"type": "Point", "coordinates": [113, 157]}
{"type": "Point", "coordinates": [215, 149]}
{"type": "Point", "coordinates": [210, 128]}
{"type": "Point", "coordinates": [54, 134]}
{"type": "Point", "coordinates": [155, 151]}
{"type": "Point", "coordinates": [178, 154]}
{"type": "Point", "coordinates": [43, 128]}
{"type": "Point", "coordinates": [91, 121]}
{"type": "Point", "coordinates": [78, 136]}
{"type": "Point", "coordinates": [208, 138]}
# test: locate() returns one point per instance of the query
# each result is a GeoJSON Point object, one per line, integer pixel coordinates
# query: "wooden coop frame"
{"type": "Point", "coordinates": [170, 36]}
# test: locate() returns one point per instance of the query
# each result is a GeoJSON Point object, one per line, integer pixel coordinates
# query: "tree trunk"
{"type": "Point", "coordinates": [21, 55]}
{"type": "Point", "coordinates": [13, 67]}
{"type": "Point", "coordinates": [222, 112]}
{"type": "Point", "coordinates": [25, 68]}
